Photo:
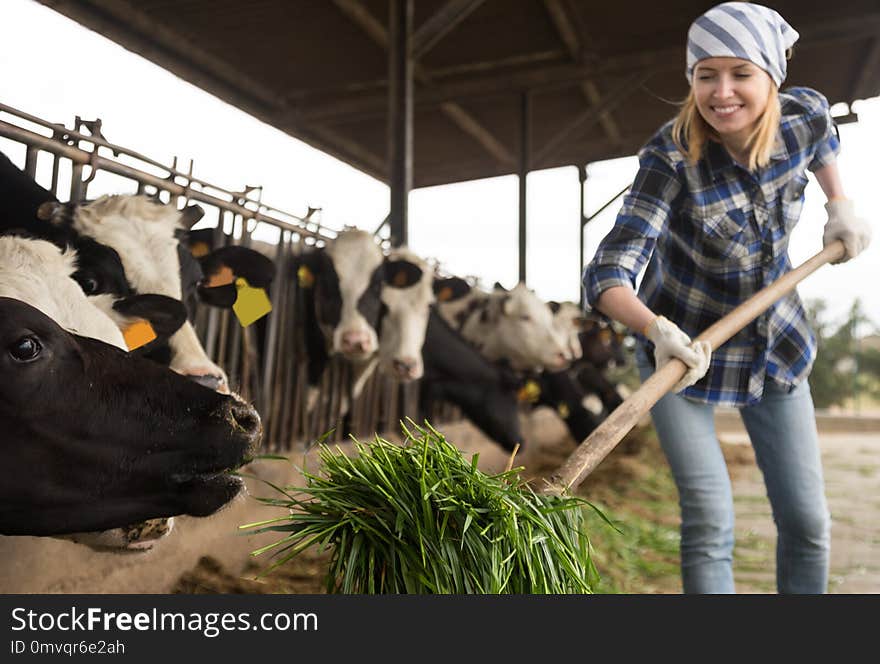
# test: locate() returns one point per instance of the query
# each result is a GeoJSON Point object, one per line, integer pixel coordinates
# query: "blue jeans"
{"type": "Point", "coordinates": [782, 430]}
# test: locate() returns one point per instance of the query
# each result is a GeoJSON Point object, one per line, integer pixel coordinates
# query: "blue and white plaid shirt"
{"type": "Point", "coordinates": [713, 234]}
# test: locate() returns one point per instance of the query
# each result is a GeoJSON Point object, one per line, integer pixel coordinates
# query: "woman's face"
{"type": "Point", "coordinates": [731, 95]}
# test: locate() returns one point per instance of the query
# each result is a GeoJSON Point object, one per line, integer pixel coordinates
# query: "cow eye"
{"type": "Point", "coordinates": [525, 317]}
{"type": "Point", "coordinates": [88, 282]}
{"type": "Point", "coordinates": [25, 349]}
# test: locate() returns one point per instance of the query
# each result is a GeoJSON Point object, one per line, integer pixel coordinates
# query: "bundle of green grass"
{"type": "Point", "coordinates": [418, 517]}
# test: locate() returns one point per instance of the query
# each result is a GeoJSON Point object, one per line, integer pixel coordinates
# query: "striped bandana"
{"type": "Point", "coordinates": [741, 30]}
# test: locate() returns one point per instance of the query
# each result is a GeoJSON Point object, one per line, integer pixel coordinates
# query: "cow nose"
{"type": "Point", "coordinates": [405, 368]}
{"type": "Point", "coordinates": [355, 342]}
{"type": "Point", "coordinates": [246, 419]}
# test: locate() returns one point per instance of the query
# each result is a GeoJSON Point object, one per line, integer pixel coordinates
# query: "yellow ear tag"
{"type": "Point", "coordinates": [305, 276]}
{"type": "Point", "coordinates": [222, 277]}
{"type": "Point", "coordinates": [563, 410]}
{"type": "Point", "coordinates": [251, 304]}
{"type": "Point", "coordinates": [138, 334]}
{"type": "Point", "coordinates": [529, 392]}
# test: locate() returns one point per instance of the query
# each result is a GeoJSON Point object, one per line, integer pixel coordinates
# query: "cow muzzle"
{"type": "Point", "coordinates": [357, 344]}
{"type": "Point", "coordinates": [406, 368]}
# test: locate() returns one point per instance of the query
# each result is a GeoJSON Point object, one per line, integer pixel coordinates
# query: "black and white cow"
{"type": "Point", "coordinates": [96, 439]}
{"type": "Point", "coordinates": [130, 244]}
{"type": "Point", "coordinates": [458, 373]}
{"type": "Point", "coordinates": [39, 273]}
{"type": "Point", "coordinates": [513, 326]}
{"type": "Point", "coordinates": [367, 307]}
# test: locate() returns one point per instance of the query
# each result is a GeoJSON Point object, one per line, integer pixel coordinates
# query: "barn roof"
{"type": "Point", "coordinates": [601, 76]}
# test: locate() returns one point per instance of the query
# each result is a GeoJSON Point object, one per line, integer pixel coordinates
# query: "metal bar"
{"type": "Point", "coordinates": [582, 181]}
{"type": "Point", "coordinates": [620, 193]}
{"type": "Point", "coordinates": [81, 157]}
{"type": "Point", "coordinates": [441, 24]}
{"type": "Point", "coordinates": [400, 116]}
{"type": "Point", "coordinates": [30, 161]}
{"type": "Point", "coordinates": [524, 158]}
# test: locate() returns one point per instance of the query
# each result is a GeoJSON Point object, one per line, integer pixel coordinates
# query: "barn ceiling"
{"type": "Point", "coordinates": [601, 76]}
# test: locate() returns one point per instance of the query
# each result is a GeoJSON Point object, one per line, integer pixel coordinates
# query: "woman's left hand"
{"type": "Point", "coordinates": [844, 225]}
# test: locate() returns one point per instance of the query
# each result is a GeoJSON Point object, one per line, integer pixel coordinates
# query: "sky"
{"type": "Point", "coordinates": [53, 68]}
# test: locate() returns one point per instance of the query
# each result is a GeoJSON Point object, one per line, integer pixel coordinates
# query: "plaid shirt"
{"type": "Point", "coordinates": [712, 235]}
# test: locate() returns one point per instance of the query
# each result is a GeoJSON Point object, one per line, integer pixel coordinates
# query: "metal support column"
{"type": "Point", "coordinates": [582, 179]}
{"type": "Point", "coordinates": [400, 115]}
{"type": "Point", "coordinates": [524, 151]}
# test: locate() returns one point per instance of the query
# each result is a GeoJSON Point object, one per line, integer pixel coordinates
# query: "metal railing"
{"type": "Point", "coordinates": [265, 362]}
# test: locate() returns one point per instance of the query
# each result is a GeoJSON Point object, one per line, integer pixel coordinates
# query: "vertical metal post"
{"type": "Point", "coordinates": [30, 161]}
{"type": "Point", "coordinates": [400, 115]}
{"type": "Point", "coordinates": [582, 179]}
{"type": "Point", "coordinates": [524, 151]}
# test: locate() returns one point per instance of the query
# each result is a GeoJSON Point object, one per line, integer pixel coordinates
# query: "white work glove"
{"type": "Point", "coordinates": [843, 224]}
{"type": "Point", "coordinates": [669, 341]}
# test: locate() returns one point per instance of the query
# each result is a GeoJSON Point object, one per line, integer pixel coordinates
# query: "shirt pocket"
{"type": "Point", "coordinates": [726, 236]}
{"type": "Point", "coordinates": [793, 201]}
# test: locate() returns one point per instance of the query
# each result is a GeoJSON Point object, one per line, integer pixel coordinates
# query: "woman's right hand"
{"type": "Point", "coordinates": [669, 341]}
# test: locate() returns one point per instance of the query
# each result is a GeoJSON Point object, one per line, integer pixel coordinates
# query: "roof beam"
{"type": "Point", "coordinates": [870, 64]}
{"type": "Point", "coordinates": [591, 115]}
{"type": "Point", "coordinates": [441, 24]}
{"type": "Point", "coordinates": [569, 35]}
{"type": "Point", "coordinates": [462, 119]}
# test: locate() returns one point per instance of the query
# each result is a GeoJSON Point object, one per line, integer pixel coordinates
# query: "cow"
{"type": "Point", "coordinates": [367, 307]}
{"type": "Point", "coordinates": [407, 294]}
{"type": "Point", "coordinates": [569, 319]}
{"type": "Point", "coordinates": [97, 439]}
{"type": "Point", "coordinates": [458, 373]}
{"type": "Point", "coordinates": [40, 273]}
{"type": "Point", "coordinates": [513, 326]}
{"type": "Point", "coordinates": [129, 244]}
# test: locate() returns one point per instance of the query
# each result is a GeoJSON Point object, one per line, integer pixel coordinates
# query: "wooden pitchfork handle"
{"type": "Point", "coordinates": [607, 435]}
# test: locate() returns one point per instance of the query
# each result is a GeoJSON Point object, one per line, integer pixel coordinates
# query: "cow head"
{"type": "Point", "coordinates": [519, 328]}
{"type": "Point", "coordinates": [142, 233]}
{"type": "Point", "coordinates": [569, 318]}
{"type": "Point", "coordinates": [407, 295]}
{"type": "Point", "coordinates": [346, 278]}
{"type": "Point", "coordinates": [97, 439]}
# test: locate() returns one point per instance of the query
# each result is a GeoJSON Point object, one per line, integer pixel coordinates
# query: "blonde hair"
{"type": "Point", "coordinates": [691, 129]}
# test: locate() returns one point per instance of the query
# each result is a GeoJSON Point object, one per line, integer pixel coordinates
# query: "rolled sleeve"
{"type": "Point", "coordinates": [645, 213]}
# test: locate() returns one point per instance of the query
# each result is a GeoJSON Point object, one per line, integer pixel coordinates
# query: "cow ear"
{"type": "Point", "coordinates": [164, 314]}
{"type": "Point", "coordinates": [200, 243]}
{"type": "Point", "coordinates": [449, 289]}
{"type": "Point", "coordinates": [191, 215]}
{"type": "Point", "coordinates": [498, 287]}
{"type": "Point", "coordinates": [218, 296]}
{"type": "Point", "coordinates": [401, 274]}
{"type": "Point", "coordinates": [554, 306]}
{"type": "Point", "coordinates": [221, 266]}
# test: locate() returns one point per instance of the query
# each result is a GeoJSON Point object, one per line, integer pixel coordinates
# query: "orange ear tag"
{"type": "Point", "coordinates": [138, 334]}
{"type": "Point", "coordinates": [221, 277]}
{"type": "Point", "coordinates": [251, 304]}
{"type": "Point", "coordinates": [200, 249]}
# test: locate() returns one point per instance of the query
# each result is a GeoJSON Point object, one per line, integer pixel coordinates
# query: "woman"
{"type": "Point", "coordinates": [717, 194]}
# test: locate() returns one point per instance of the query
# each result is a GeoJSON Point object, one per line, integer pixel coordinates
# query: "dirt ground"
{"type": "Point", "coordinates": [852, 474]}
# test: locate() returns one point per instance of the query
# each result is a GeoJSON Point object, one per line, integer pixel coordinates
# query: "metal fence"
{"type": "Point", "coordinates": [273, 377]}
